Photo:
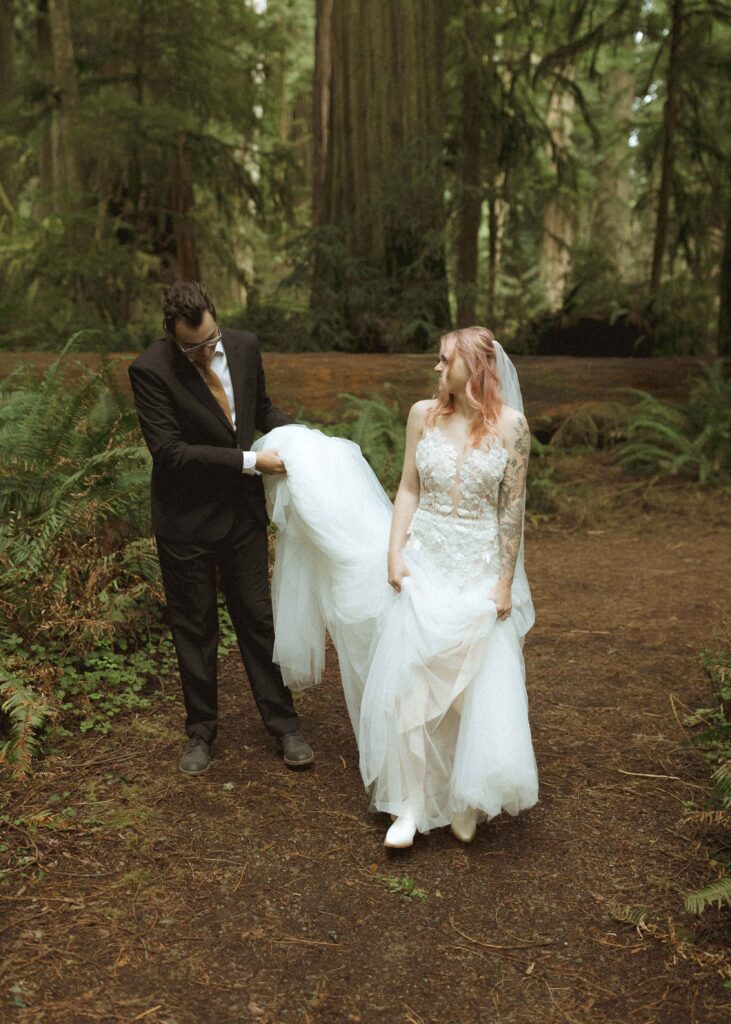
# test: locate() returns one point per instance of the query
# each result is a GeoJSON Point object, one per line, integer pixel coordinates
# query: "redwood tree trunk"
{"type": "Point", "coordinates": [321, 101]}
{"type": "Point", "coordinates": [611, 224]}
{"type": "Point", "coordinates": [668, 149]}
{"type": "Point", "coordinates": [65, 92]}
{"type": "Point", "coordinates": [49, 172]}
{"type": "Point", "coordinates": [7, 91]}
{"type": "Point", "coordinates": [378, 131]}
{"type": "Point", "coordinates": [470, 166]}
{"type": "Point", "coordinates": [724, 289]}
{"type": "Point", "coordinates": [493, 249]}
{"type": "Point", "coordinates": [558, 223]}
{"type": "Point", "coordinates": [181, 202]}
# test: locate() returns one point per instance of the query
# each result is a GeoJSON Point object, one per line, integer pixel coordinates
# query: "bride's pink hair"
{"type": "Point", "coordinates": [476, 346]}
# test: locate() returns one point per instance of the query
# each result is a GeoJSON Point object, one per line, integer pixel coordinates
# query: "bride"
{"type": "Point", "coordinates": [426, 601]}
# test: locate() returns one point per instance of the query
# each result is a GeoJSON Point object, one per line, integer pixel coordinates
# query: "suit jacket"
{"type": "Point", "coordinates": [197, 478]}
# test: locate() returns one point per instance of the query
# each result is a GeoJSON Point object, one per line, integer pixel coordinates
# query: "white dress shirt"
{"type": "Point", "coordinates": [219, 365]}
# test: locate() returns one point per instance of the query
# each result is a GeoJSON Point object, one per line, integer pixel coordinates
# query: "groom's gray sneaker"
{"type": "Point", "coordinates": [196, 756]}
{"type": "Point", "coordinates": [296, 751]}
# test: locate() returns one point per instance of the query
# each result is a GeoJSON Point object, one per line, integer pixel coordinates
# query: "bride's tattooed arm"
{"type": "Point", "coordinates": [512, 492]}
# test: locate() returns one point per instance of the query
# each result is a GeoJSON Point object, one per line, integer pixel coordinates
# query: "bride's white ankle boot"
{"type": "Point", "coordinates": [464, 825]}
{"type": "Point", "coordinates": [402, 832]}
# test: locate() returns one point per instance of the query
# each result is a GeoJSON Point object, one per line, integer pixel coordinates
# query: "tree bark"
{"type": "Point", "coordinates": [321, 102]}
{"type": "Point", "coordinates": [670, 117]}
{"type": "Point", "coordinates": [470, 168]}
{"type": "Point", "coordinates": [494, 84]}
{"type": "Point", "coordinates": [493, 248]}
{"type": "Point", "coordinates": [724, 288]}
{"type": "Point", "coordinates": [48, 172]}
{"type": "Point", "coordinates": [558, 224]}
{"type": "Point", "coordinates": [181, 202]}
{"type": "Point", "coordinates": [7, 94]}
{"type": "Point", "coordinates": [378, 124]}
{"type": "Point", "coordinates": [611, 224]}
{"type": "Point", "coordinates": [65, 92]}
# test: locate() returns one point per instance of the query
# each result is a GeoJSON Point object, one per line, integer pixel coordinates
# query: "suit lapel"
{"type": "Point", "coordinates": [236, 369]}
{"type": "Point", "coordinates": [192, 379]}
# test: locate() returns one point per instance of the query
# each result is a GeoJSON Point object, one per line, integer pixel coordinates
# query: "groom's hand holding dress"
{"type": "Point", "coordinates": [200, 395]}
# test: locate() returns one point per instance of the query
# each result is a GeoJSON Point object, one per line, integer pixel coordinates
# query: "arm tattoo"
{"type": "Point", "coordinates": [511, 498]}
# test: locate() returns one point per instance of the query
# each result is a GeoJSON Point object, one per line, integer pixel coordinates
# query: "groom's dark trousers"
{"type": "Point", "coordinates": [209, 520]}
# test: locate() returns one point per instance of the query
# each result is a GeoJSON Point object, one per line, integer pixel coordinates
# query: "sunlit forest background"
{"type": "Point", "coordinates": [358, 176]}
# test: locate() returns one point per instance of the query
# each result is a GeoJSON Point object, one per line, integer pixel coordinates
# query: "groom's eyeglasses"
{"type": "Point", "coordinates": [188, 350]}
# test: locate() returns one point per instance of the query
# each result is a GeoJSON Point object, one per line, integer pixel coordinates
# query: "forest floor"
{"type": "Point", "coordinates": [258, 894]}
{"type": "Point", "coordinates": [313, 381]}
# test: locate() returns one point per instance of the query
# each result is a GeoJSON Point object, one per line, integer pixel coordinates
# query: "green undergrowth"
{"type": "Point", "coordinates": [81, 634]}
{"type": "Point", "coordinates": [692, 440]}
{"type": "Point", "coordinates": [710, 727]}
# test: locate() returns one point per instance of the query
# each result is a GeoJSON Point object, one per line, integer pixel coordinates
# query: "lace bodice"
{"type": "Point", "coordinates": [469, 491]}
{"type": "Point", "coordinates": [456, 523]}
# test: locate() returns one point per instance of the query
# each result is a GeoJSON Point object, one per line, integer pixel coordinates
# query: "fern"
{"type": "Point", "coordinates": [718, 892]}
{"type": "Point", "coordinates": [692, 440]}
{"type": "Point", "coordinates": [721, 792]}
{"type": "Point", "coordinates": [593, 424]}
{"type": "Point", "coordinates": [77, 565]}
{"type": "Point", "coordinates": [378, 426]}
{"type": "Point", "coordinates": [714, 738]}
{"type": "Point", "coordinates": [27, 713]}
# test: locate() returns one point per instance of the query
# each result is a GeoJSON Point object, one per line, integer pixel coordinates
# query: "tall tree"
{"type": "Point", "coordinates": [470, 166]}
{"type": "Point", "coordinates": [558, 216]}
{"type": "Point", "coordinates": [670, 117]}
{"type": "Point", "coordinates": [610, 228]}
{"type": "Point", "coordinates": [321, 102]}
{"type": "Point", "coordinates": [724, 296]}
{"type": "Point", "coordinates": [382, 186]}
{"type": "Point", "coordinates": [7, 91]}
{"type": "Point", "coordinates": [65, 92]}
{"type": "Point", "coordinates": [181, 202]}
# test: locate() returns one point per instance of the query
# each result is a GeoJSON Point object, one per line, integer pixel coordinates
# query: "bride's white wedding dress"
{"type": "Point", "coordinates": [434, 682]}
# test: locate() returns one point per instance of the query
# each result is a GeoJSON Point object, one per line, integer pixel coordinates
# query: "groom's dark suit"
{"type": "Point", "coordinates": [208, 515]}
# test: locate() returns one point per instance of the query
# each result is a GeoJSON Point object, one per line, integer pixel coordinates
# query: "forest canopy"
{"type": "Point", "coordinates": [361, 176]}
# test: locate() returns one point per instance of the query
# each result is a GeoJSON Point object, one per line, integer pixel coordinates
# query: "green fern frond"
{"type": "Point", "coordinates": [718, 892]}
{"type": "Point", "coordinates": [27, 713]}
{"type": "Point", "coordinates": [626, 914]}
{"type": "Point", "coordinates": [692, 440]}
{"type": "Point", "coordinates": [721, 793]}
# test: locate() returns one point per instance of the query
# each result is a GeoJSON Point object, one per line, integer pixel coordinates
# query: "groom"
{"type": "Point", "coordinates": [200, 394]}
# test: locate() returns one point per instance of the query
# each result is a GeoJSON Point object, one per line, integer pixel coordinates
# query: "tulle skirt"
{"type": "Point", "coordinates": [433, 681]}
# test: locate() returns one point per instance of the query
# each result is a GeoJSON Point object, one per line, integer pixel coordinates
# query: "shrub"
{"type": "Point", "coordinates": [593, 425]}
{"type": "Point", "coordinates": [80, 575]}
{"type": "Point", "coordinates": [691, 440]}
{"type": "Point", "coordinates": [713, 737]}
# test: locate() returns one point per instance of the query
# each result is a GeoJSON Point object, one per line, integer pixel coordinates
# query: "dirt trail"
{"type": "Point", "coordinates": [258, 894]}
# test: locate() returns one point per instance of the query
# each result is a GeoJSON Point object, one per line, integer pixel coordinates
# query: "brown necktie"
{"type": "Point", "coordinates": [216, 388]}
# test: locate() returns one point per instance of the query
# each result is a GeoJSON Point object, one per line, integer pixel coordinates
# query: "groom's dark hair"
{"type": "Point", "coordinates": [188, 301]}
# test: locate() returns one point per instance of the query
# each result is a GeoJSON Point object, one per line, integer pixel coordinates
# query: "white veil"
{"type": "Point", "coordinates": [510, 393]}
